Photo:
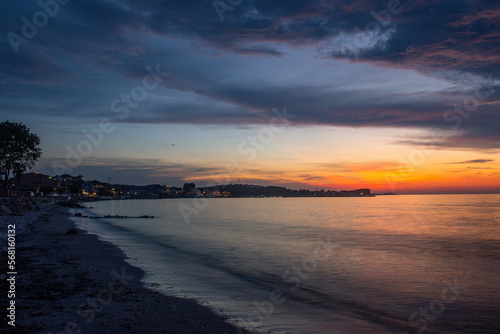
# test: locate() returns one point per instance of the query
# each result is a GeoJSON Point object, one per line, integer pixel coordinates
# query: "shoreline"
{"type": "Point", "coordinates": [69, 281]}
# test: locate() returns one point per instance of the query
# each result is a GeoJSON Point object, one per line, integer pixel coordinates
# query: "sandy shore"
{"type": "Point", "coordinates": [75, 283]}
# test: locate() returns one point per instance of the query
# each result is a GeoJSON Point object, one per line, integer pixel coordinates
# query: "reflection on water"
{"type": "Point", "coordinates": [389, 258]}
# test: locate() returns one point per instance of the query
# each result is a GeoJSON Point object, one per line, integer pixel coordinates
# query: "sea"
{"type": "Point", "coordinates": [387, 264]}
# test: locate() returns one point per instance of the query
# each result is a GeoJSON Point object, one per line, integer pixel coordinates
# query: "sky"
{"type": "Point", "coordinates": [395, 96]}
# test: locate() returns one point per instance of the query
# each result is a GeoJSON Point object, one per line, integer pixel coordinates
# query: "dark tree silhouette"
{"type": "Point", "coordinates": [76, 185]}
{"type": "Point", "coordinates": [19, 150]}
{"type": "Point", "coordinates": [188, 186]}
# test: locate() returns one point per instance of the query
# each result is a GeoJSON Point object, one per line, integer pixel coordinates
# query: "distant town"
{"type": "Point", "coordinates": [37, 184]}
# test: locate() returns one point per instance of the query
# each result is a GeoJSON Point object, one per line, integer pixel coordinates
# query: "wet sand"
{"type": "Point", "coordinates": [76, 283]}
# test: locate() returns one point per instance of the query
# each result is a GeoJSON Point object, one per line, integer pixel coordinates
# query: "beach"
{"type": "Point", "coordinates": [69, 281]}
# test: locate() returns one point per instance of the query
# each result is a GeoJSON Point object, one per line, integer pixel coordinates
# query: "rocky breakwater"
{"type": "Point", "coordinates": [18, 206]}
{"type": "Point", "coordinates": [71, 203]}
{"type": "Point", "coordinates": [16, 216]}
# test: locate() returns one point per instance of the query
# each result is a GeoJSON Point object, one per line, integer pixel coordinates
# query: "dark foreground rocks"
{"type": "Point", "coordinates": [17, 205]}
{"type": "Point", "coordinates": [70, 203]}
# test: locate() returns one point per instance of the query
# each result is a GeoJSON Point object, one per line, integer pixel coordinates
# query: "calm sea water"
{"type": "Point", "coordinates": [389, 264]}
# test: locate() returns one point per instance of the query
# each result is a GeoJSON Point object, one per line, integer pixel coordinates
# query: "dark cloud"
{"type": "Point", "coordinates": [258, 50]}
{"type": "Point", "coordinates": [426, 34]}
{"type": "Point", "coordinates": [437, 35]}
{"type": "Point", "coordinates": [32, 68]}
{"type": "Point", "coordinates": [465, 141]}
{"type": "Point", "coordinates": [475, 161]}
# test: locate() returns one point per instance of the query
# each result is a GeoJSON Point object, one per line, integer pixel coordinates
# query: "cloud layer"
{"type": "Point", "coordinates": [424, 64]}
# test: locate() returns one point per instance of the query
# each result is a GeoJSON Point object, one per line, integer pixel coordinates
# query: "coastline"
{"type": "Point", "coordinates": [71, 282]}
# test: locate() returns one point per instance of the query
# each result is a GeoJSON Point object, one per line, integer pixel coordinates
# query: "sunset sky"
{"type": "Point", "coordinates": [396, 96]}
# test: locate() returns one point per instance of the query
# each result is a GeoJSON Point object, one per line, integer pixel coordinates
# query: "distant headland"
{"type": "Point", "coordinates": [37, 184]}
